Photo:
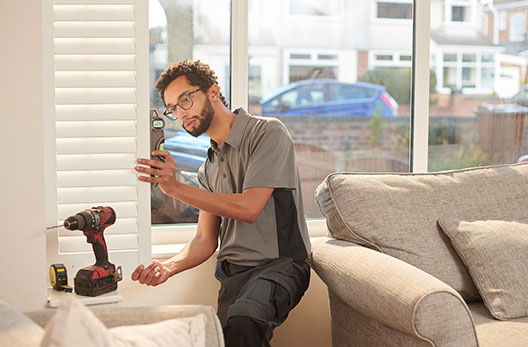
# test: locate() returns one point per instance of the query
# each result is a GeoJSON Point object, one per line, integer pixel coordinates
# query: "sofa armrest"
{"type": "Point", "coordinates": [394, 293]}
{"type": "Point", "coordinates": [112, 316]}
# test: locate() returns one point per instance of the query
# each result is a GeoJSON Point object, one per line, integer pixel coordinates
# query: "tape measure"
{"type": "Point", "coordinates": [59, 278]}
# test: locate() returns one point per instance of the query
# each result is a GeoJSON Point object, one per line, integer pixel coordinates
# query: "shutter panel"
{"type": "Point", "coordinates": [100, 51]}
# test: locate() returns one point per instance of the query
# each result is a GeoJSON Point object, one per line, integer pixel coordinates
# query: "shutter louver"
{"type": "Point", "coordinates": [101, 112]}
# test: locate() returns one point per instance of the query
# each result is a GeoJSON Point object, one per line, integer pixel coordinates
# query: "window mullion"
{"type": "Point", "coordinates": [420, 90]}
{"type": "Point", "coordinates": [239, 54]}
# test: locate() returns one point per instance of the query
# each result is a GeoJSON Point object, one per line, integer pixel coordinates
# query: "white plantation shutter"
{"type": "Point", "coordinates": [101, 89]}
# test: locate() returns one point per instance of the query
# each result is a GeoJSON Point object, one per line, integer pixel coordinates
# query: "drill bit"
{"type": "Point", "coordinates": [54, 227]}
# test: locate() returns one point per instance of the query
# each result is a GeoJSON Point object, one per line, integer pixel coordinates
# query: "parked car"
{"type": "Point", "coordinates": [188, 152]}
{"type": "Point", "coordinates": [330, 98]}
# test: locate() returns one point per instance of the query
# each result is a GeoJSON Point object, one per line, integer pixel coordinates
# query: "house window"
{"type": "Point", "coordinates": [518, 27]}
{"type": "Point", "coordinates": [389, 59]}
{"type": "Point", "coordinates": [393, 10]}
{"type": "Point", "coordinates": [459, 11]}
{"type": "Point", "coordinates": [310, 65]}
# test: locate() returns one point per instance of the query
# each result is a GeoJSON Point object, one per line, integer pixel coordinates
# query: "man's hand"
{"type": "Point", "coordinates": [162, 172]}
{"type": "Point", "coordinates": [154, 274]}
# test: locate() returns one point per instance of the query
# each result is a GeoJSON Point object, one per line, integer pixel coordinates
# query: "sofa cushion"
{"type": "Point", "coordinates": [495, 333]}
{"type": "Point", "coordinates": [397, 213]}
{"type": "Point", "coordinates": [75, 325]}
{"type": "Point", "coordinates": [496, 254]}
{"type": "Point", "coordinates": [16, 329]}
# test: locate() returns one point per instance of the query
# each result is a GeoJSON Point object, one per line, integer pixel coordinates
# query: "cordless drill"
{"type": "Point", "coordinates": [102, 277]}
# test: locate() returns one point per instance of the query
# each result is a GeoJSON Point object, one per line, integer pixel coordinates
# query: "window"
{"type": "Point", "coordinates": [518, 27]}
{"type": "Point", "coordinates": [326, 85]}
{"type": "Point", "coordinates": [459, 11]}
{"type": "Point", "coordinates": [469, 125]}
{"type": "Point", "coordinates": [466, 70]}
{"type": "Point", "coordinates": [394, 10]}
{"type": "Point", "coordinates": [198, 29]}
{"type": "Point", "coordinates": [314, 64]}
{"type": "Point", "coordinates": [459, 14]}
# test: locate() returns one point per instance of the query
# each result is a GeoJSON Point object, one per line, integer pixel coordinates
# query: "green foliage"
{"type": "Point", "coordinates": [376, 125]}
{"type": "Point", "coordinates": [397, 82]}
{"type": "Point", "coordinates": [403, 136]}
{"type": "Point", "coordinates": [467, 156]}
{"type": "Point", "coordinates": [444, 133]}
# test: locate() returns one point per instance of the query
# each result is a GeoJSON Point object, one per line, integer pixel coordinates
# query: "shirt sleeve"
{"type": "Point", "coordinates": [272, 162]}
{"type": "Point", "coordinates": [202, 179]}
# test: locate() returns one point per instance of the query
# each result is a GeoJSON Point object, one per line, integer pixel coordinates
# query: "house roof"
{"type": "Point", "coordinates": [442, 38]}
{"type": "Point", "coordinates": [500, 2]}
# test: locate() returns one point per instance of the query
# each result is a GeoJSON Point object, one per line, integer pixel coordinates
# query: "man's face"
{"type": "Point", "coordinates": [197, 119]}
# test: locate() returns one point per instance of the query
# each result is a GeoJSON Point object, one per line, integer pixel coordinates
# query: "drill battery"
{"type": "Point", "coordinates": [94, 281]}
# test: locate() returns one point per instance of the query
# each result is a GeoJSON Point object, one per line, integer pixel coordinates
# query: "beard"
{"type": "Point", "coordinates": [205, 118]}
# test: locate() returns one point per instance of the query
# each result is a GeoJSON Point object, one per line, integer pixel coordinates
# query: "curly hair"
{"type": "Point", "coordinates": [197, 73]}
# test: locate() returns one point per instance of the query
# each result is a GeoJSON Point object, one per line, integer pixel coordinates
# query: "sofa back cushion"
{"type": "Point", "coordinates": [397, 214]}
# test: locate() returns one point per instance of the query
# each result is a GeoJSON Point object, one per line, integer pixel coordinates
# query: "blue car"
{"type": "Point", "coordinates": [330, 98]}
{"type": "Point", "coordinates": [188, 152]}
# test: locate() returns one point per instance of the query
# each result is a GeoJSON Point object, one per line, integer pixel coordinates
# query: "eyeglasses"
{"type": "Point", "coordinates": [185, 102]}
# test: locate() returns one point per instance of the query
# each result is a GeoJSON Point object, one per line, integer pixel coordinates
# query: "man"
{"type": "Point", "coordinates": [250, 199]}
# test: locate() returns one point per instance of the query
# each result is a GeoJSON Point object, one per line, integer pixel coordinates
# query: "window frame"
{"type": "Point", "coordinates": [471, 5]}
{"type": "Point", "coordinates": [383, 20]}
{"type": "Point", "coordinates": [459, 64]}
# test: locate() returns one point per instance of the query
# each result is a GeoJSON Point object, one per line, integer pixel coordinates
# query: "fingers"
{"type": "Point", "coordinates": [152, 275]}
{"type": "Point", "coordinates": [151, 162]}
{"type": "Point", "coordinates": [137, 271]}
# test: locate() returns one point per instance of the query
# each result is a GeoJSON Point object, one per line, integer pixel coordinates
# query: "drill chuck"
{"type": "Point", "coordinates": [74, 222]}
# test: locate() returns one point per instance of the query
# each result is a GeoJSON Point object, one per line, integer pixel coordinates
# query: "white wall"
{"type": "Point", "coordinates": [23, 268]}
{"type": "Point", "coordinates": [308, 324]}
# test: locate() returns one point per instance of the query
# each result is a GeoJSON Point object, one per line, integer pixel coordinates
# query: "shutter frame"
{"type": "Point", "coordinates": [97, 107]}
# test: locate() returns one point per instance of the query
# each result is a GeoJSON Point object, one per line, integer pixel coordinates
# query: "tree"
{"type": "Point", "coordinates": [180, 35]}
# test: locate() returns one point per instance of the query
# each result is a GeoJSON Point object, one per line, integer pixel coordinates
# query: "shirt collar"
{"type": "Point", "coordinates": [236, 134]}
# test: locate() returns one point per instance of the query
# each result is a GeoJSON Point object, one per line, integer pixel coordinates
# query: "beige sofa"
{"type": "Point", "coordinates": [26, 329]}
{"type": "Point", "coordinates": [393, 275]}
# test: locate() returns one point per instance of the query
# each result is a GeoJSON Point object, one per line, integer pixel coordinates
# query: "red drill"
{"type": "Point", "coordinates": [102, 277]}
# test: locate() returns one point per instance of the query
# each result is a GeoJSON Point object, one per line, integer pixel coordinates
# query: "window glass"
{"type": "Point", "coordinates": [193, 29]}
{"type": "Point", "coordinates": [346, 107]}
{"type": "Point", "coordinates": [459, 14]}
{"type": "Point", "coordinates": [450, 57]}
{"type": "Point", "coordinates": [518, 26]}
{"type": "Point", "coordinates": [394, 10]}
{"type": "Point", "coordinates": [477, 110]}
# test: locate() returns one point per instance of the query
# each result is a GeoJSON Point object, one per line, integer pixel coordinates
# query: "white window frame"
{"type": "Point", "coordinates": [514, 17]}
{"type": "Point", "coordinates": [470, 4]}
{"type": "Point", "coordinates": [459, 64]}
{"type": "Point", "coordinates": [313, 60]}
{"type": "Point", "coordinates": [394, 62]}
{"type": "Point", "coordinates": [376, 19]}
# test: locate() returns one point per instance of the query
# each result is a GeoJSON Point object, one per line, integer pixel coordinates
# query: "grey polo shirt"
{"type": "Point", "coordinates": [258, 152]}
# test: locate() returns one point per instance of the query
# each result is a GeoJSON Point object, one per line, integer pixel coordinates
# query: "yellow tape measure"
{"type": "Point", "coordinates": [59, 278]}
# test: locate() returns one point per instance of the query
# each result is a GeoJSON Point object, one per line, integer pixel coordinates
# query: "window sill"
{"type": "Point", "coordinates": [55, 298]}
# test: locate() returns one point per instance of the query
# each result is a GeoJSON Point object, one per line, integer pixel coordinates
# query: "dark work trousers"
{"type": "Point", "coordinates": [254, 300]}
